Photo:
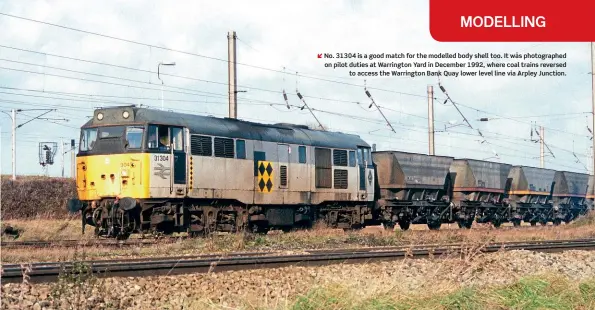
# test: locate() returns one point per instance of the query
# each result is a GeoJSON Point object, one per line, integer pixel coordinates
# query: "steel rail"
{"type": "Point", "coordinates": [88, 243]}
{"type": "Point", "coordinates": [43, 272]}
{"type": "Point", "coordinates": [153, 241]}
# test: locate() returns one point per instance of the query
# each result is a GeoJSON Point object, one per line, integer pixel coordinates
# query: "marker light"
{"type": "Point", "coordinates": [99, 116]}
{"type": "Point", "coordinates": [125, 114]}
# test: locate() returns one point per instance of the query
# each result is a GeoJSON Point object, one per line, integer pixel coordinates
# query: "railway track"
{"type": "Point", "coordinates": [162, 240]}
{"type": "Point", "coordinates": [43, 272]}
{"type": "Point", "coordinates": [87, 243]}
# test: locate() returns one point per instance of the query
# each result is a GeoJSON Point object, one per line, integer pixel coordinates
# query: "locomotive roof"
{"type": "Point", "coordinates": [227, 127]}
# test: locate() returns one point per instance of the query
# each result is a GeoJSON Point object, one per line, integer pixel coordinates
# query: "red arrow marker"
{"type": "Point", "coordinates": [319, 55]}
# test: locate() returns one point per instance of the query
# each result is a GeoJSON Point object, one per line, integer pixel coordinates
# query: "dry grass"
{"type": "Point", "coordinates": [535, 292]}
{"type": "Point", "coordinates": [31, 197]}
{"type": "Point", "coordinates": [318, 238]}
{"type": "Point", "coordinates": [475, 281]}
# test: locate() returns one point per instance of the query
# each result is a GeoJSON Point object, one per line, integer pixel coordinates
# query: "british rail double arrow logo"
{"type": "Point", "coordinates": [161, 171]}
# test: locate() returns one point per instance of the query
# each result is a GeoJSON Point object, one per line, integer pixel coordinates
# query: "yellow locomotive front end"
{"type": "Point", "coordinates": [112, 176]}
{"type": "Point", "coordinates": [119, 166]}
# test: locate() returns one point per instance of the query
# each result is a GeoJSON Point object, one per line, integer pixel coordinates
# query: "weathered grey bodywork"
{"type": "Point", "coordinates": [400, 174]}
{"type": "Point", "coordinates": [531, 185]}
{"type": "Point", "coordinates": [236, 177]}
{"type": "Point", "coordinates": [571, 184]}
{"type": "Point", "coordinates": [477, 180]}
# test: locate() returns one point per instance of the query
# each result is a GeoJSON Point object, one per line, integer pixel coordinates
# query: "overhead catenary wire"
{"type": "Point", "coordinates": [379, 110]}
{"type": "Point", "coordinates": [511, 155]}
{"type": "Point", "coordinates": [312, 109]}
{"type": "Point", "coordinates": [463, 116]}
{"type": "Point", "coordinates": [268, 90]}
{"type": "Point", "coordinates": [198, 55]}
{"type": "Point", "coordinates": [360, 86]}
{"type": "Point", "coordinates": [306, 105]}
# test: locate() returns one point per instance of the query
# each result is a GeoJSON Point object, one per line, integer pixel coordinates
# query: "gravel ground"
{"type": "Point", "coordinates": [278, 288]}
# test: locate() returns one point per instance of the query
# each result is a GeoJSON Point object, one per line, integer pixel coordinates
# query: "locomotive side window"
{"type": "Point", "coordinates": [367, 157]}
{"type": "Point", "coordinates": [88, 137]}
{"type": "Point", "coordinates": [158, 138]}
{"type": "Point", "coordinates": [302, 154]}
{"type": "Point", "coordinates": [163, 135]}
{"type": "Point", "coordinates": [360, 156]}
{"type": "Point", "coordinates": [134, 136]}
{"type": "Point", "coordinates": [152, 134]}
{"type": "Point", "coordinates": [352, 158]}
{"type": "Point", "coordinates": [177, 137]}
{"type": "Point", "coordinates": [240, 149]}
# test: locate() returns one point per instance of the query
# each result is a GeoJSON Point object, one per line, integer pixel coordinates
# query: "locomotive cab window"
{"type": "Point", "coordinates": [111, 132]}
{"type": "Point", "coordinates": [88, 138]}
{"type": "Point", "coordinates": [161, 137]}
{"type": "Point", "coordinates": [177, 138]}
{"type": "Point", "coordinates": [352, 158]}
{"type": "Point", "coordinates": [367, 157]}
{"type": "Point", "coordinates": [134, 137]}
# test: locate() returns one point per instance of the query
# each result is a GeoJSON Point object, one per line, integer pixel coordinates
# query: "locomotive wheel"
{"type": "Point", "coordinates": [389, 225]}
{"type": "Point", "coordinates": [533, 223]}
{"type": "Point", "coordinates": [404, 225]}
{"type": "Point", "coordinates": [557, 222]}
{"type": "Point", "coordinates": [258, 228]}
{"type": "Point", "coordinates": [123, 236]}
{"type": "Point", "coordinates": [516, 222]}
{"type": "Point", "coordinates": [497, 223]}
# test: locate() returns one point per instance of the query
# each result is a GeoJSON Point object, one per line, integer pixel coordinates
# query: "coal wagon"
{"type": "Point", "coordinates": [479, 189]}
{"type": "Point", "coordinates": [530, 194]}
{"type": "Point", "coordinates": [413, 188]}
{"type": "Point", "coordinates": [569, 196]}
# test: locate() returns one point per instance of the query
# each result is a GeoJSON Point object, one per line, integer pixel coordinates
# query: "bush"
{"type": "Point", "coordinates": [36, 197]}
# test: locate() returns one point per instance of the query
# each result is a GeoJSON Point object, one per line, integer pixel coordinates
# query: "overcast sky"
{"type": "Point", "coordinates": [284, 36]}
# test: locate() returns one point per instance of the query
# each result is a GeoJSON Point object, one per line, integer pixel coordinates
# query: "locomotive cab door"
{"type": "Point", "coordinates": [168, 164]}
{"type": "Point", "coordinates": [366, 173]}
{"type": "Point", "coordinates": [362, 170]}
{"type": "Point", "coordinates": [179, 154]}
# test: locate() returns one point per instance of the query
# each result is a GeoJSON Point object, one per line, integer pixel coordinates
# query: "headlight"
{"type": "Point", "coordinates": [99, 116]}
{"type": "Point", "coordinates": [124, 173]}
{"type": "Point", "coordinates": [125, 114]}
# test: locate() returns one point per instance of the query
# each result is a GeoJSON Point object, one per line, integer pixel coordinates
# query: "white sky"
{"type": "Point", "coordinates": [285, 36]}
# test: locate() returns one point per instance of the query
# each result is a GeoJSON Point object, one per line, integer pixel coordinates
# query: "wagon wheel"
{"type": "Point", "coordinates": [465, 223]}
{"type": "Point", "coordinates": [434, 225]}
{"type": "Point", "coordinates": [404, 225]}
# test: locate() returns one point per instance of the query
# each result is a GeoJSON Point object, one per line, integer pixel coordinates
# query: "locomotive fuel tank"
{"type": "Point", "coordinates": [414, 188]}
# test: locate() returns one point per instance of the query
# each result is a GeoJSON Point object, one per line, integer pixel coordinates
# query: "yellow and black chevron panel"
{"type": "Point", "coordinates": [265, 176]}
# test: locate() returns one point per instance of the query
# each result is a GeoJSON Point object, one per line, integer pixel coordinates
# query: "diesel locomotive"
{"type": "Point", "coordinates": [145, 170]}
{"type": "Point", "coordinates": [142, 170]}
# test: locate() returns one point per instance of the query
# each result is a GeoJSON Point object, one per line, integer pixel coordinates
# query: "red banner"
{"type": "Point", "coordinates": [512, 21]}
